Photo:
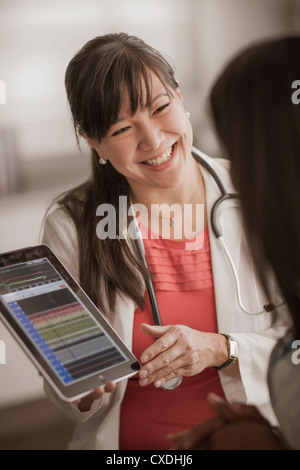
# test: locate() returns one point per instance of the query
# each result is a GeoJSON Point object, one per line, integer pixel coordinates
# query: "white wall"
{"type": "Point", "coordinates": [37, 40]}
{"type": "Point", "coordinates": [221, 29]}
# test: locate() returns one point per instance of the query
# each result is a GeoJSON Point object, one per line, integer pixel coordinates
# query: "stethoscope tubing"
{"type": "Point", "coordinates": [218, 234]}
{"type": "Point", "coordinates": [149, 284]}
{"type": "Point", "coordinates": [174, 383]}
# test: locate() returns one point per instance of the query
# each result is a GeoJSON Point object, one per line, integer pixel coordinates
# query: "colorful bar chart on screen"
{"type": "Point", "coordinates": [68, 336]}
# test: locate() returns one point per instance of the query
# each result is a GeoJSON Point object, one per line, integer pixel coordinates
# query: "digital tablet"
{"type": "Point", "coordinates": [64, 334]}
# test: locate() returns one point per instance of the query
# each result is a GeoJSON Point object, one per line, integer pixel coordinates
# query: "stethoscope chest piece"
{"type": "Point", "coordinates": [172, 384]}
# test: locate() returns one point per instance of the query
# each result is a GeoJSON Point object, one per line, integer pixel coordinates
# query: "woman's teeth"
{"type": "Point", "coordinates": [164, 158]}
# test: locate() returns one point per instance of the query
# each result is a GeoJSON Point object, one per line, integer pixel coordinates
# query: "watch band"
{"type": "Point", "coordinates": [232, 352]}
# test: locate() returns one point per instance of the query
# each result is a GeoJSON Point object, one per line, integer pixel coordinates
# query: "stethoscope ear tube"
{"type": "Point", "coordinates": [218, 233]}
{"type": "Point", "coordinates": [213, 214]}
{"type": "Point", "coordinates": [266, 308]}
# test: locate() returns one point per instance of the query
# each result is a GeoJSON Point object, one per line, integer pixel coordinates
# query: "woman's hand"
{"type": "Point", "coordinates": [85, 403]}
{"type": "Point", "coordinates": [235, 427]}
{"type": "Point", "coordinates": [179, 351]}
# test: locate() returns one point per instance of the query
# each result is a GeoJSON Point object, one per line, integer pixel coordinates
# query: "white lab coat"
{"type": "Point", "coordinates": [246, 379]}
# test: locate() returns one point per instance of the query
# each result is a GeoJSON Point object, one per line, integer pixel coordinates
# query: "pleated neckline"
{"type": "Point", "coordinates": [179, 265]}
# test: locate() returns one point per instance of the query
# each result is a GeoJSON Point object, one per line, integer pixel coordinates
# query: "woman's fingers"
{"type": "Point", "coordinates": [175, 353]}
{"type": "Point", "coordinates": [160, 376]}
{"type": "Point", "coordinates": [110, 387]}
{"type": "Point", "coordinates": [167, 365]}
{"type": "Point", "coordinates": [166, 338]}
{"type": "Point", "coordinates": [85, 403]}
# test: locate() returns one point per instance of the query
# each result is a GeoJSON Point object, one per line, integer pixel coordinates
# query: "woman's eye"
{"type": "Point", "coordinates": [120, 131]}
{"type": "Point", "coordinates": [161, 108]}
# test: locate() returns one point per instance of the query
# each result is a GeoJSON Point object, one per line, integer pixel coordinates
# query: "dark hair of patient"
{"type": "Point", "coordinates": [95, 80]}
{"type": "Point", "coordinates": [259, 126]}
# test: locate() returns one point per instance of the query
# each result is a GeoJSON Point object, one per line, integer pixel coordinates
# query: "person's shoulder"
{"type": "Point", "coordinates": [59, 230]}
{"type": "Point", "coordinates": [58, 217]}
{"type": "Point", "coordinates": [68, 207]}
{"type": "Point", "coordinates": [57, 212]}
{"type": "Point", "coordinates": [222, 168]}
{"type": "Point", "coordinates": [60, 235]}
{"type": "Point", "coordinates": [220, 163]}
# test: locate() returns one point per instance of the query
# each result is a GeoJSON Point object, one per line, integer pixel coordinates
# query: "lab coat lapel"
{"type": "Point", "coordinates": [229, 216]}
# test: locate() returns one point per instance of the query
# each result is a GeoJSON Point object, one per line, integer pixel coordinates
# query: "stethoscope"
{"type": "Point", "coordinates": [218, 234]}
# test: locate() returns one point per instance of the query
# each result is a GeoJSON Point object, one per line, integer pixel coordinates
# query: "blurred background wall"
{"type": "Point", "coordinates": [38, 153]}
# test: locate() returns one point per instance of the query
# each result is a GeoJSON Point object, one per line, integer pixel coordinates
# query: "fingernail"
{"type": "Point", "coordinates": [145, 358]}
{"type": "Point", "coordinates": [157, 383]}
{"type": "Point", "coordinates": [214, 397]}
{"type": "Point", "coordinates": [143, 382]}
{"type": "Point", "coordinates": [143, 373]}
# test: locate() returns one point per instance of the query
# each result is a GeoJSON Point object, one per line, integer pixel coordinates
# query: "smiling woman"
{"type": "Point", "coordinates": [126, 102]}
{"type": "Point", "coordinates": [152, 147]}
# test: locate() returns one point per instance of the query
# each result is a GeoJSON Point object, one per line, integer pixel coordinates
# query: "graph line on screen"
{"type": "Point", "coordinates": [66, 333]}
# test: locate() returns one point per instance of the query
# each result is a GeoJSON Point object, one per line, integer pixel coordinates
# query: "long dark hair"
{"type": "Point", "coordinates": [95, 80]}
{"type": "Point", "coordinates": [259, 126]}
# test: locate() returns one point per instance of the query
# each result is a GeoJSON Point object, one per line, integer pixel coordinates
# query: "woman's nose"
{"type": "Point", "coordinates": [151, 138]}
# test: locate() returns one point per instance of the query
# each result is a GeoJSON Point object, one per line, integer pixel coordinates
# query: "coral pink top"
{"type": "Point", "coordinates": [183, 283]}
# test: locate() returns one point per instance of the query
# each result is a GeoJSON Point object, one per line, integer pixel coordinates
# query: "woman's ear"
{"type": "Point", "coordinates": [90, 141]}
{"type": "Point", "coordinates": [93, 143]}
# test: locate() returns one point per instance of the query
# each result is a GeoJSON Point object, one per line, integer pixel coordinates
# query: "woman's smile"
{"type": "Point", "coordinates": [152, 147]}
{"type": "Point", "coordinates": [161, 161]}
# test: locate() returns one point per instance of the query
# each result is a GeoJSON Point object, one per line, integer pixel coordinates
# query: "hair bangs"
{"type": "Point", "coordinates": [125, 72]}
{"type": "Point", "coordinates": [136, 76]}
{"type": "Point", "coordinates": [100, 72]}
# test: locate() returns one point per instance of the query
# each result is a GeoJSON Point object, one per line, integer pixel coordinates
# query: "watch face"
{"type": "Point", "coordinates": [232, 352]}
{"type": "Point", "coordinates": [233, 349]}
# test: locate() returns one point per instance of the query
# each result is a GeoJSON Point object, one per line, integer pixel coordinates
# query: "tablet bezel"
{"type": "Point", "coordinates": [72, 391]}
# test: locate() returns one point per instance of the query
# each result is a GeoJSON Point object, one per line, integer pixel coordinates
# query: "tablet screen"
{"type": "Point", "coordinates": [57, 321]}
{"type": "Point", "coordinates": [59, 324]}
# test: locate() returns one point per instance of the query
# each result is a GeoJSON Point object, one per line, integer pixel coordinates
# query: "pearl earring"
{"type": "Point", "coordinates": [102, 161]}
{"type": "Point", "coordinates": [188, 114]}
